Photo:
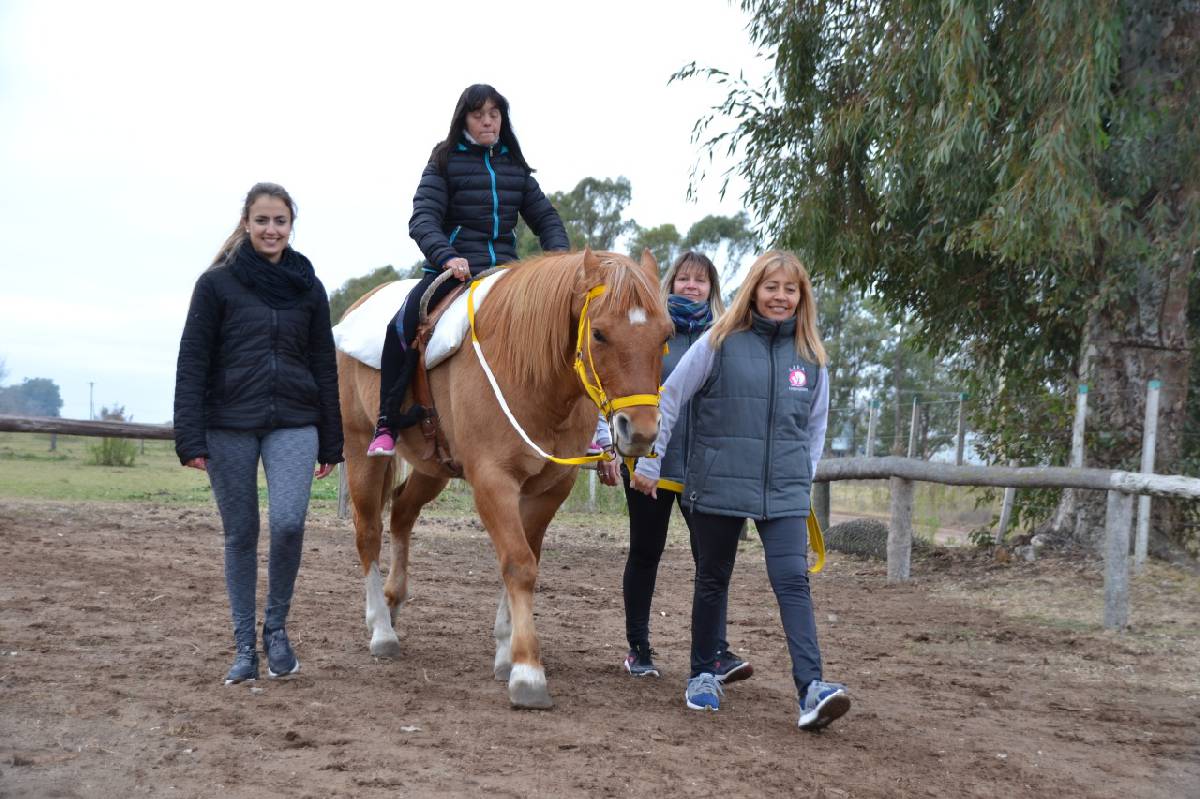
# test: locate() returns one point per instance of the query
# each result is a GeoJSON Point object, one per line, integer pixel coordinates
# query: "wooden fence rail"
{"type": "Point", "coordinates": [902, 474]}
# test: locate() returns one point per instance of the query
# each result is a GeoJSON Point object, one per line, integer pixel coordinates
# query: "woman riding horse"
{"type": "Point", "coordinates": [464, 219]}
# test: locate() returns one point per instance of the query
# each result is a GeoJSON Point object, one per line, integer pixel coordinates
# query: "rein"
{"type": "Point", "coordinates": [594, 389]}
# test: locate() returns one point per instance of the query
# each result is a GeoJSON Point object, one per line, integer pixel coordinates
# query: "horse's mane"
{"type": "Point", "coordinates": [530, 333]}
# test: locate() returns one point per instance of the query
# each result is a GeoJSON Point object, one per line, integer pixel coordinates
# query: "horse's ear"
{"type": "Point", "coordinates": [591, 268]}
{"type": "Point", "coordinates": [650, 266]}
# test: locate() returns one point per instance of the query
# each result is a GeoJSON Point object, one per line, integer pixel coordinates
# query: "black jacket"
{"type": "Point", "coordinates": [246, 366]}
{"type": "Point", "coordinates": [470, 211]}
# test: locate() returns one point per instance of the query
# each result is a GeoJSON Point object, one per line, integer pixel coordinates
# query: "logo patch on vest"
{"type": "Point", "coordinates": [797, 379]}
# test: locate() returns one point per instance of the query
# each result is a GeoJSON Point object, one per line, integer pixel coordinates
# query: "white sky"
{"type": "Point", "coordinates": [130, 132]}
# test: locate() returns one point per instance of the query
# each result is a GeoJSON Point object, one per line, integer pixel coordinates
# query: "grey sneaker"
{"type": "Point", "coordinates": [704, 692]}
{"type": "Point", "coordinates": [639, 662]}
{"type": "Point", "coordinates": [281, 660]}
{"type": "Point", "coordinates": [822, 703]}
{"type": "Point", "coordinates": [245, 666]}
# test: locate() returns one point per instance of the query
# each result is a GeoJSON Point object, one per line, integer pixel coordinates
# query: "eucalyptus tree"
{"type": "Point", "coordinates": [1017, 178]}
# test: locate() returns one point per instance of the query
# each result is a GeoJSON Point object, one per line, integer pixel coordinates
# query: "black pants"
{"type": "Point", "coordinates": [648, 522]}
{"type": "Point", "coordinates": [785, 544]}
{"type": "Point", "coordinates": [397, 341]}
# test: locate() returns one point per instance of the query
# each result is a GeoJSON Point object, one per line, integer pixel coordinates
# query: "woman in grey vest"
{"type": "Point", "coordinates": [691, 291]}
{"type": "Point", "coordinates": [759, 402]}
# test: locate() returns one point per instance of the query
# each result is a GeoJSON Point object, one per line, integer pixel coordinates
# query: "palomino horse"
{"type": "Point", "coordinates": [562, 334]}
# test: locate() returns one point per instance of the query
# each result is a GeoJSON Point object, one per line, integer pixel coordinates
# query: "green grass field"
{"type": "Point", "coordinates": [30, 470]}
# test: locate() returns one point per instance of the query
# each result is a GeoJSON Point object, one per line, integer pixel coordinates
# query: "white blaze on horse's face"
{"type": "Point", "coordinates": [637, 316]}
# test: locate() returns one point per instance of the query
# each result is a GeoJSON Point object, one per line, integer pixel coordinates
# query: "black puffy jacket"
{"type": "Point", "coordinates": [470, 211]}
{"type": "Point", "coordinates": [246, 366]}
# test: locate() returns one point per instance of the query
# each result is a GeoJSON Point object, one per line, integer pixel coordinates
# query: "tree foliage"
{"type": "Point", "coordinates": [355, 287]}
{"type": "Point", "coordinates": [37, 396]}
{"type": "Point", "coordinates": [1015, 179]}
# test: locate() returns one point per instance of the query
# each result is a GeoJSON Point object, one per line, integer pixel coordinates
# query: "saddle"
{"type": "Point", "coordinates": [436, 445]}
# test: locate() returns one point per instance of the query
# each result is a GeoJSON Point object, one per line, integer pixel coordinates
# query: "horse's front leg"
{"type": "Point", "coordinates": [496, 498]}
{"type": "Point", "coordinates": [370, 482]}
{"type": "Point", "coordinates": [536, 513]}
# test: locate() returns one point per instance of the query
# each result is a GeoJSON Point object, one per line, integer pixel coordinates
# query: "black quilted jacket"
{"type": "Point", "coordinates": [470, 211]}
{"type": "Point", "coordinates": [246, 366]}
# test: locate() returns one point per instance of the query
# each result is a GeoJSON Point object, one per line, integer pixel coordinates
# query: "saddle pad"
{"type": "Point", "coordinates": [360, 333]}
{"type": "Point", "coordinates": [452, 328]}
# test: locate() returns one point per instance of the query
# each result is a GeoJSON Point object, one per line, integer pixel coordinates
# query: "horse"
{"type": "Point", "coordinates": [562, 334]}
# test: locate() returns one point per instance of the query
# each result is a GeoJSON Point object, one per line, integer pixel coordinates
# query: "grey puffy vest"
{"type": "Point", "coordinates": [675, 458]}
{"type": "Point", "coordinates": [749, 453]}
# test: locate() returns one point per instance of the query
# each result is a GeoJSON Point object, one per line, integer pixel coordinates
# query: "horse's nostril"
{"type": "Point", "coordinates": [621, 423]}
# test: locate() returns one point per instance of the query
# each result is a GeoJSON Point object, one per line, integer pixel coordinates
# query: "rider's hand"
{"type": "Point", "coordinates": [459, 268]}
{"type": "Point", "coordinates": [644, 484]}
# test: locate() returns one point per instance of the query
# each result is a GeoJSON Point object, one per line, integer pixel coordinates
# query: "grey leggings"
{"type": "Point", "coordinates": [288, 457]}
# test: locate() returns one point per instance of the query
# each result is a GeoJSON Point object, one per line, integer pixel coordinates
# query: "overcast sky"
{"type": "Point", "coordinates": [130, 132]}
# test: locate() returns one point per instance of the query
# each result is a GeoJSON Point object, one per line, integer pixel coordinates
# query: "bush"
{"type": "Point", "coordinates": [113, 451]}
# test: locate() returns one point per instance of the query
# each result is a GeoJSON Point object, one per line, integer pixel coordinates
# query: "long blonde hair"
{"type": "Point", "coordinates": [739, 316]}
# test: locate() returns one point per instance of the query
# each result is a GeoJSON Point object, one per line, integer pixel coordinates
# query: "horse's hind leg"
{"type": "Point", "coordinates": [536, 513]}
{"type": "Point", "coordinates": [417, 491]}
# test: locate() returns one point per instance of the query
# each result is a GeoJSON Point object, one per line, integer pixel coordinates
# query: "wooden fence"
{"type": "Point", "coordinates": [902, 474]}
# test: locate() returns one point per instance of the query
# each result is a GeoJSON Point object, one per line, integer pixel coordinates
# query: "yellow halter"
{"type": "Point", "coordinates": [594, 390]}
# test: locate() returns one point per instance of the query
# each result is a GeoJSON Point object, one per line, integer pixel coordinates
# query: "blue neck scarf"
{"type": "Point", "coordinates": [689, 316]}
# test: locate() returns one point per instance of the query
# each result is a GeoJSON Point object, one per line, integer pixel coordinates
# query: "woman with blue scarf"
{"type": "Point", "coordinates": [693, 295]}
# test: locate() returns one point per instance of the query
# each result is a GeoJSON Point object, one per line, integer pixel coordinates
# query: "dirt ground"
{"type": "Point", "coordinates": [114, 633]}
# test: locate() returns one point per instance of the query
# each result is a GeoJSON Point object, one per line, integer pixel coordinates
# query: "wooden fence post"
{"type": "Point", "coordinates": [1081, 404]}
{"type": "Point", "coordinates": [900, 531]}
{"type": "Point", "coordinates": [962, 431]}
{"type": "Point", "coordinates": [1149, 440]}
{"type": "Point", "coordinates": [53, 442]}
{"type": "Point", "coordinates": [343, 511]}
{"type": "Point", "coordinates": [1116, 560]}
{"type": "Point", "coordinates": [820, 503]}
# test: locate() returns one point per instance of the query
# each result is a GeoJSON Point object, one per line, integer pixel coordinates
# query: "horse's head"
{"type": "Point", "coordinates": [622, 330]}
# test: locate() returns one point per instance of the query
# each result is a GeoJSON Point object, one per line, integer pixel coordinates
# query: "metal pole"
{"type": "Point", "coordinates": [962, 430]}
{"type": "Point", "coordinates": [343, 511]}
{"type": "Point", "coordinates": [871, 428]}
{"type": "Point", "coordinates": [1081, 403]}
{"type": "Point", "coordinates": [591, 490]}
{"type": "Point", "coordinates": [1149, 439]}
{"type": "Point", "coordinates": [1010, 496]}
{"type": "Point", "coordinates": [912, 430]}
{"type": "Point", "coordinates": [91, 404]}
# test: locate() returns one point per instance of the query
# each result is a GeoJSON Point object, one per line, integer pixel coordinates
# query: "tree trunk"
{"type": "Point", "coordinates": [1141, 338]}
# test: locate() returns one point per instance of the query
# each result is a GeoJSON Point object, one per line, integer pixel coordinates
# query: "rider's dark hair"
{"type": "Point", "coordinates": [472, 99]}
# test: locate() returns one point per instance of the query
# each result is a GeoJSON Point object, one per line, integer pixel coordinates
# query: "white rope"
{"type": "Point", "coordinates": [487, 370]}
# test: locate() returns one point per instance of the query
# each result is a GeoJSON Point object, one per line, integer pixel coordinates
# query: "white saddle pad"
{"type": "Point", "coordinates": [360, 334]}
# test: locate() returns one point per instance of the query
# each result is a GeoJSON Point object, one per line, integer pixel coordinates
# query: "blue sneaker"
{"type": "Point", "coordinates": [245, 666]}
{"type": "Point", "coordinates": [281, 660]}
{"type": "Point", "coordinates": [728, 667]}
{"type": "Point", "coordinates": [704, 692]}
{"type": "Point", "coordinates": [822, 703]}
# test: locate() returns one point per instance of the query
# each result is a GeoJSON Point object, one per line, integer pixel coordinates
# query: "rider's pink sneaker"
{"type": "Point", "coordinates": [382, 446]}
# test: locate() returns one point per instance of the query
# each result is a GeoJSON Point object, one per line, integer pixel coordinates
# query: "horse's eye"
{"type": "Point", "coordinates": [596, 334]}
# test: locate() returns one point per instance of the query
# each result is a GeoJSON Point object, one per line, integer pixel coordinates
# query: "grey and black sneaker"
{"type": "Point", "coordinates": [728, 667]}
{"type": "Point", "coordinates": [639, 662]}
{"type": "Point", "coordinates": [822, 703]}
{"type": "Point", "coordinates": [281, 660]}
{"type": "Point", "coordinates": [704, 692]}
{"type": "Point", "coordinates": [245, 666]}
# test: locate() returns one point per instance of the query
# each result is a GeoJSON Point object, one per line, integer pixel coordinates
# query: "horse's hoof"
{"type": "Point", "coordinates": [527, 688]}
{"type": "Point", "coordinates": [502, 671]}
{"type": "Point", "coordinates": [386, 648]}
